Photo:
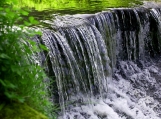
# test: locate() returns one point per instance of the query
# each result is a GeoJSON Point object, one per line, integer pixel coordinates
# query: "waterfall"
{"type": "Point", "coordinates": [106, 65]}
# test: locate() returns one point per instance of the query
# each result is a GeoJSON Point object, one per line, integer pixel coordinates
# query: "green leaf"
{"type": "Point", "coordinates": [8, 84]}
{"type": "Point", "coordinates": [14, 68]}
{"type": "Point", "coordinates": [19, 18]}
{"type": "Point", "coordinates": [27, 23]}
{"type": "Point", "coordinates": [43, 47]}
{"type": "Point", "coordinates": [19, 73]}
{"type": "Point", "coordinates": [22, 100]}
{"type": "Point", "coordinates": [9, 95]}
{"type": "Point", "coordinates": [39, 33]}
{"type": "Point", "coordinates": [35, 48]}
{"type": "Point", "coordinates": [4, 56]}
{"type": "Point", "coordinates": [11, 15]}
{"type": "Point", "coordinates": [24, 13]}
{"type": "Point", "coordinates": [1, 8]}
{"type": "Point", "coordinates": [32, 42]}
{"type": "Point", "coordinates": [35, 22]}
{"type": "Point", "coordinates": [1, 106]}
{"type": "Point", "coordinates": [2, 82]}
{"type": "Point", "coordinates": [11, 86]}
{"type": "Point", "coordinates": [31, 19]}
{"type": "Point", "coordinates": [7, 10]}
{"type": "Point", "coordinates": [42, 92]}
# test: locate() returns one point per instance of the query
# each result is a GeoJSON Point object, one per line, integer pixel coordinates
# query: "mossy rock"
{"type": "Point", "coordinates": [19, 111]}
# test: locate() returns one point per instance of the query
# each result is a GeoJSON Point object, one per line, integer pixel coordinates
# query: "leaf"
{"type": "Point", "coordinates": [9, 95]}
{"type": "Point", "coordinates": [31, 19]}
{"type": "Point", "coordinates": [35, 48]}
{"type": "Point", "coordinates": [27, 23]}
{"type": "Point", "coordinates": [24, 13]}
{"type": "Point", "coordinates": [35, 22]}
{"type": "Point", "coordinates": [32, 42]}
{"type": "Point", "coordinates": [4, 56]}
{"type": "Point", "coordinates": [43, 47]}
{"type": "Point", "coordinates": [1, 106]}
{"type": "Point", "coordinates": [19, 73]}
{"type": "Point", "coordinates": [42, 92]}
{"type": "Point", "coordinates": [8, 84]}
{"type": "Point", "coordinates": [1, 8]}
{"type": "Point", "coordinates": [39, 33]}
{"type": "Point", "coordinates": [7, 10]}
{"type": "Point", "coordinates": [11, 15]}
{"type": "Point", "coordinates": [19, 18]}
{"type": "Point", "coordinates": [2, 82]}
{"type": "Point", "coordinates": [14, 68]}
{"type": "Point", "coordinates": [22, 100]}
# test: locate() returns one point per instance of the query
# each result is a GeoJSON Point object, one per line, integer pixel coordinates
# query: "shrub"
{"type": "Point", "coordinates": [22, 79]}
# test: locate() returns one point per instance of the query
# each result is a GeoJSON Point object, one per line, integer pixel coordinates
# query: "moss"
{"type": "Point", "coordinates": [19, 111]}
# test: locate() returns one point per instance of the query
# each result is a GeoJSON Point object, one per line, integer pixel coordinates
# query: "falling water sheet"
{"type": "Point", "coordinates": [112, 37]}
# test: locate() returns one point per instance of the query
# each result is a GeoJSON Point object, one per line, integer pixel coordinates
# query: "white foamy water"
{"type": "Point", "coordinates": [151, 4]}
{"type": "Point", "coordinates": [133, 93]}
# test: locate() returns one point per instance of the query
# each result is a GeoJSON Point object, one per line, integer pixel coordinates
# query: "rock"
{"type": "Point", "coordinates": [19, 111]}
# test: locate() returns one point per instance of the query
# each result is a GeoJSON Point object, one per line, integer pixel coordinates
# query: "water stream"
{"type": "Point", "coordinates": [106, 65]}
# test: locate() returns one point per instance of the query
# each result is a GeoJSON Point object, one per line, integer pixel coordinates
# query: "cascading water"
{"type": "Point", "coordinates": [106, 65]}
{"type": "Point", "coordinates": [78, 57]}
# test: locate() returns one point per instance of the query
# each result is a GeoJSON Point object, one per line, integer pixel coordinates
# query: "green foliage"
{"type": "Point", "coordinates": [21, 78]}
{"type": "Point", "coordinates": [75, 5]}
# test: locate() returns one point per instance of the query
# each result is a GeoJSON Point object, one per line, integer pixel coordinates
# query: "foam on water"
{"type": "Point", "coordinates": [129, 97]}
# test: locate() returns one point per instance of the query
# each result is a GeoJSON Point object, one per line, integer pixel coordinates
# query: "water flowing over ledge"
{"type": "Point", "coordinates": [106, 65]}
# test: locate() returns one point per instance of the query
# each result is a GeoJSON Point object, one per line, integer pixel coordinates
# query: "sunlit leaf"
{"type": "Point", "coordinates": [27, 23]}
{"type": "Point", "coordinates": [25, 13]}
{"type": "Point", "coordinates": [31, 19]}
